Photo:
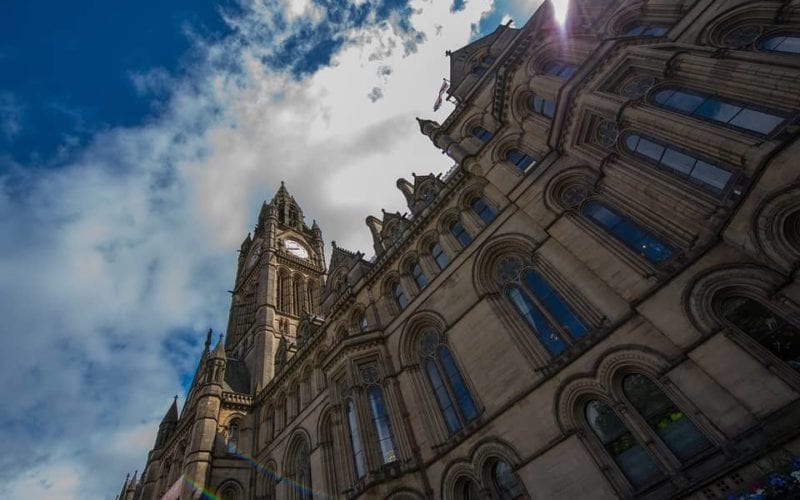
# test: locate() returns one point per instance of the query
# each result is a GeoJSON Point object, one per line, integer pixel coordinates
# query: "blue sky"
{"type": "Point", "coordinates": [137, 141]}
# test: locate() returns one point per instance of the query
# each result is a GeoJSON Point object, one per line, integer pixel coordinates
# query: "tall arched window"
{"type": "Point", "coordinates": [381, 424]}
{"type": "Point", "coordinates": [631, 458]}
{"type": "Point", "coordinates": [638, 239]}
{"type": "Point", "coordinates": [460, 234]}
{"type": "Point", "coordinates": [549, 316]}
{"type": "Point", "coordinates": [672, 425]}
{"type": "Point", "coordinates": [485, 212]}
{"type": "Point", "coordinates": [542, 106]}
{"type": "Point", "coordinates": [697, 104]}
{"type": "Point", "coordinates": [560, 69]}
{"type": "Point", "coordinates": [439, 256]}
{"type": "Point", "coordinates": [682, 163]}
{"type": "Point", "coordinates": [481, 134]}
{"type": "Point", "coordinates": [233, 437]}
{"type": "Point", "coordinates": [781, 42]}
{"type": "Point", "coordinates": [643, 28]}
{"type": "Point", "coordinates": [302, 473]}
{"type": "Point", "coordinates": [399, 296]}
{"type": "Point", "coordinates": [770, 330]}
{"type": "Point", "coordinates": [451, 392]}
{"type": "Point", "coordinates": [505, 482]}
{"type": "Point", "coordinates": [419, 275]}
{"type": "Point", "coordinates": [520, 160]}
{"type": "Point", "coordinates": [355, 441]}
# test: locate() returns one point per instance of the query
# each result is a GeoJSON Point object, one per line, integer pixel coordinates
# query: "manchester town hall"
{"type": "Point", "coordinates": [601, 299]}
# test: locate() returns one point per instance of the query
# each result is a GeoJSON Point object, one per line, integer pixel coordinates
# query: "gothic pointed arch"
{"type": "Point", "coordinates": [559, 192]}
{"type": "Point", "coordinates": [297, 465]}
{"type": "Point", "coordinates": [455, 473]}
{"type": "Point", "coordinates": [513, 244]}
{"type": "Point", "coordinates": [419, 322]}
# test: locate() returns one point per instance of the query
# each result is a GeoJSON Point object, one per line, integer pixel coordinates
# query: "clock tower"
{"type": "Point", "coordinates": [279, 278]}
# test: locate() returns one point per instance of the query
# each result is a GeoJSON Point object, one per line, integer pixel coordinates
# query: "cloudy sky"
{"type": "Point", "coordinates": [137, 141]}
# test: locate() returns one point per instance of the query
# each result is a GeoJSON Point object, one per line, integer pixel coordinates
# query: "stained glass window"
{"type": "Point", "coordinates": [625, 450]}
{"type": "Point", "coordinates": [670, 423]}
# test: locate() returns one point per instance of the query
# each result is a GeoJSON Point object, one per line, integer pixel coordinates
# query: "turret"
{"type": "Point", "coordinates": [167, 425]}
{"type": "Point", "coordinates": [206, 414]}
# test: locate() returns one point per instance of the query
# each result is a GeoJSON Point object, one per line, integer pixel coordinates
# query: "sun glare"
{"type": "Point", "coordinates": [560, 8]}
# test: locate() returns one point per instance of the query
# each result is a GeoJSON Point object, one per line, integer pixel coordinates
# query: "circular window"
{"type": "Point", "coordinates": [637, 86]}
{"type": "Point", "coordinates": [742, 36]}
{"type": "Point", "coordinates": [607, 133]}
{"type": "Point", "coordinates": [507, 269]}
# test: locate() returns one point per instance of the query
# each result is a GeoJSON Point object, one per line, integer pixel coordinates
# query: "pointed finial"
{"type": "Point", "coordinates": [208, 341]}
{"type": "Point", "coordinates": [447, 53]}
{"type": "Point", "coordinates": [282, 184]}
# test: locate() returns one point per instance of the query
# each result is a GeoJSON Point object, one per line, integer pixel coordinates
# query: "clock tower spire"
{"type": "Point", "coordinates": [280, 274]}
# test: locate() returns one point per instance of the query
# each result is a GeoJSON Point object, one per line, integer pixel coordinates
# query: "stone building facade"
{"type": "Point", "coordinates": [600, 300]}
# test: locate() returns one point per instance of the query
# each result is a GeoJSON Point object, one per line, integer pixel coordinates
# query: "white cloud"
{"type": "Point", "coordinates": [112, 263]}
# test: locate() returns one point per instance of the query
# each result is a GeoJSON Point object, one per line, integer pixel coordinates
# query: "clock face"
{"type": "Point", "coordinates": [296, 249]}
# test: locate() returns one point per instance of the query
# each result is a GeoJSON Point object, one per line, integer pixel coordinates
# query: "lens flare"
{"type": "Point", "coordinates": [560, 8]}
{"type": "Point", "coordinates": [206, 494]}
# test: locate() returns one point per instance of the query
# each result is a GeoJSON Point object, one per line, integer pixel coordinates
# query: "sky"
{"type": "Point", "coordinates": [137, 143]}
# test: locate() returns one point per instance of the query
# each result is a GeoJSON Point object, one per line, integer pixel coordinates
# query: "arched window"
{"type": "Point", "coordinates": [519, 159]}
{"type": "Point", "coordinates": [466, 490]}
{"type": "Point", "coordinates": [672, 425]}
{"type": "Point", "coordinates": [773, 332]}
{"type": "Point", "coordinates": [481, 134]}
{"type": "Point", "coordinates": [542, 106]}
{"type": "Point", "coordinates": [745, 117]}
{"type": "Point", "coordinates": [399, 297]}
{"type": "Point", "coordinates": [781, 42]}
{"type": "Point", "coordinates": [230, 492]}
{"type": "Point", "coordinates": [641, 28]}
{"type": "Point", "coordinates": [361, 320]}
{"type": "Point", "coordinates": [505, 482]}
{"type": "Point", "coordinates": [302, 473]}
{"type": "Point", "coordinates": [560, 69]}
{"type": "Point", "coordinates": [381, 424]}
{"type": "Point", "coordinates": [270, 424]}
{"type": "Point", "coordinates": [618, 441]}
{"type": "Point", "coordinates": [233, 437]}
{"type": "Point", "coordinates": [451, 392]}
{"type": "Point", "coordinates": [636, 238]}
{"type": "Point", "coordinates": [355, 441]}
{"type": "Point", "coordinates": [460, 233]}
{"type": "Point", "coordinates": [548, 315]}
{"type": "Point", "coordinates": [482, 210]}
{"type": "Point", "coordinates": [679, 162]}
{"type": "Point", "coordinates": [418, 274]}
{"type": "Point", "coordinates": [439, 256]}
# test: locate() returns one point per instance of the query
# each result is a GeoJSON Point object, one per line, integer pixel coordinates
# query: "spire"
{"type": "Point", "coordinates": [219, 350]}
{"type": "Point", "coordinates": [427, 127]}
{"type": "Point", "coordinates": [208, 341]}
{"type": "Point", "coordinates": [172, 414]}
{"type": "Point", "coordinates": [132, 483]}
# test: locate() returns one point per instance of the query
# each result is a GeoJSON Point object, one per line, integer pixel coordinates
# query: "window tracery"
{"type": "Point", "coordinates": [607, 133]}
{"type": "Point", "coordinates": [637, 86]}
{"type": "Point", "coordinates": [453, 398]}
